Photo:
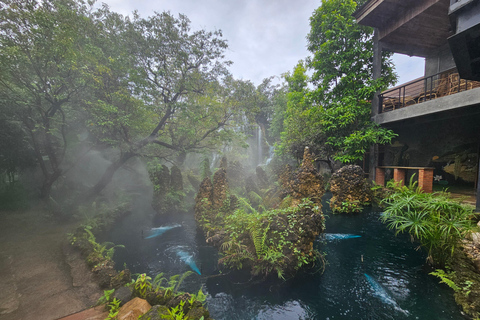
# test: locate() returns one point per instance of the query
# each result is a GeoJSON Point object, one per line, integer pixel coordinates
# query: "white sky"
{"type": "Point", "coordinates": [266, 37]}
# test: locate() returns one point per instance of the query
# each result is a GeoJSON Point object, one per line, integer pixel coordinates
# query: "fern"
{"type": "Point", "coordinates": [180, 280]}
{"type": "Point", "coordinates": [259, 239]}
{"type": "Point", "coordinates": [445, 278]}
{"type": "Point", "coordinates": [157, 282]}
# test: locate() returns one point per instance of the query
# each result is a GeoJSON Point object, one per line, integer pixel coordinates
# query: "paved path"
{"type": "Point", "coordinates": [41, 278]}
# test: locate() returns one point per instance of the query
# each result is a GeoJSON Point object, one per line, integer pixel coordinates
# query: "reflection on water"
{"type": "Point", "coordinates": [399, 287]}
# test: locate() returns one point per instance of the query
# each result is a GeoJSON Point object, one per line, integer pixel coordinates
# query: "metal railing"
{"type": "Point", "coordinates": [424, 89]}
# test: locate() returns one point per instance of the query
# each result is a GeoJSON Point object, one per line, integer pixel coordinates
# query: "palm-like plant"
{"type": "Point", "coordinates": [434, 219]}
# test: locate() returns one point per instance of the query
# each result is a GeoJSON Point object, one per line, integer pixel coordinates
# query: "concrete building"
{"type": "Point", "coordinates": [436, 117]}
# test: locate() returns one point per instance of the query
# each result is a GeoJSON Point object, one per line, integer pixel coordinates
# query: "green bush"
{"type": "Point", "coordinates": [267, 239]}
{"type": "Point", "coordinates": [434, 219]}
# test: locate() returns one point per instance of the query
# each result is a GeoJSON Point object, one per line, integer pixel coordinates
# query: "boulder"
{"type": "Point", "coordinates": [350, 190]}
{"type": "Point", "coordinates": [307, 182]}
{"type": "Point", "coordinates": [133, 309]}
{"type": "Point", "coordinates": [124, 294]}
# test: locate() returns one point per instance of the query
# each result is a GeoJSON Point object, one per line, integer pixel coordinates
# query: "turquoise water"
{"type": "Point", "coordinates": [374, 276]}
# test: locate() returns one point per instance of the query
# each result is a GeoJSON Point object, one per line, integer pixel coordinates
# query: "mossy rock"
{"type": "Point", "coordinates": [155, 313]}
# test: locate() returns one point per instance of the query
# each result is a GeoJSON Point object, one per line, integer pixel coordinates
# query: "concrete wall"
{"type": "Point", "coordinates": [441, 60]}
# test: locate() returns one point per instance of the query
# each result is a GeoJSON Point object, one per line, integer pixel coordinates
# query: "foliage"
{"type": "Point", "coordinates": [150, 87]}
{"type": "Point", "coordinates": [42, 65]}
{"type": "Point", "coordinates": [266, 239]}
{"type": "Point", "coordinates": [13, 196]}
{"type": "Point", "coordinates": [107, 297]}
{"type": "Point", "coordinates": [113, 307]}
{"type": "Point", "coordinates": [434, 219]}
{"type": "Point", "coordinates": [103, 251]}
{"type": "Point", "coordinates": [333, 118]}
{"type": "Point", "coordinates": [143, 285]}
{"type": "Point", "coordinates": [446, 278]}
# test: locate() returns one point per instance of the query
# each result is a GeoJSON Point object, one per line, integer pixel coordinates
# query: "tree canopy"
{"type": "Point", "coordinates": [330, 111]}
{"type": "Point", "coordinates": [140, 86]}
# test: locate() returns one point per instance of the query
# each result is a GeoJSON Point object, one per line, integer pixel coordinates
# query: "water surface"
{"type": "Point", "coordinates": [374, 276]}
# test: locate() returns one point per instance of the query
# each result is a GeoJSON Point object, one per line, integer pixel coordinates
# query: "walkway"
{"type": "Point", "coordinates": [41, 277]}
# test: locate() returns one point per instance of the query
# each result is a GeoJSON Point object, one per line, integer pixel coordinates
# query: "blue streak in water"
{"type": "Point", "coordinates": [339, 236]}
{"type": "Point", "coordinates": [161, 230]}
{"type": "Point", "coordinates": [380, 292]}
{"type": "Point", "coordinates": [188, 259]}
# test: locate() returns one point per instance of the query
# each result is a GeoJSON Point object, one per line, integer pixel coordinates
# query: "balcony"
{"type": "Point", "coordinates": [424, 89]}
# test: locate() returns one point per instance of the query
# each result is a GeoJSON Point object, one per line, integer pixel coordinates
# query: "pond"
{"type": "Point", "coordinates": [371, 274]}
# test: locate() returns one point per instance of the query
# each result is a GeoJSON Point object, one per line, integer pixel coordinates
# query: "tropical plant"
{"type": "Point", "coordinates": [252, 240]}
{"type": "Point", "coordinates": [434, 219]}
{"type": "Point", "coordinates": [143, 285]}
{"type": "Point", "coordinates": [106, 298]}
{"type": "Point", "coordinates": [114, 308]}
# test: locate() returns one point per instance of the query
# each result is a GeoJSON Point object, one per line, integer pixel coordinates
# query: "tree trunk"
{"type": "Point", "coordinates": [107, 176]}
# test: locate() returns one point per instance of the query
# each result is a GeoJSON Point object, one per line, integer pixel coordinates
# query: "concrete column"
{"type": "Point", "coordinates": [377, 69]}
{"type": "Point", "coordinates": [380, 176]}
{"type": "Point", "coordinates": [373, 162]}
{"type": "Point", "coordinates": [425, 180]}
{"type": "Point", "coordinates": [399, 176]}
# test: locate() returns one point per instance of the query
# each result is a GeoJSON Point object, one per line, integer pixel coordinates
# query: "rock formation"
{"type": "Point", "coordinates": [307, 182]}
{"type": "Point", "coordinates": [350, 190]}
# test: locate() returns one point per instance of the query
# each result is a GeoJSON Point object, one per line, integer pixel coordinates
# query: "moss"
{"type": "Point", "coordinates": [466, 277]}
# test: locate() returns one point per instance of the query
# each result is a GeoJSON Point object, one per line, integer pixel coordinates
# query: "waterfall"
{"type": "Point", "coordinates": [260, 146]}
{"type": "Point", "coordinates": [271, 153]}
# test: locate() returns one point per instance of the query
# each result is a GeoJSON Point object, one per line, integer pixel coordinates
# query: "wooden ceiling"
{"type": "Point", "coordinates": [413, 27]}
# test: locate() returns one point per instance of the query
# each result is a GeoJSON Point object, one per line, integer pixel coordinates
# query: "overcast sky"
{"type": "Point", "coordinates": [266, 37]}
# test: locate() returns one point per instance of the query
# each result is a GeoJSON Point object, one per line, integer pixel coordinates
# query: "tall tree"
{"type": "Point", "coordinates": [173, 69]}
{"type": "Point", "coordinates": [337, 116]}
{"type": "Point", "coordinates": [41, 73]}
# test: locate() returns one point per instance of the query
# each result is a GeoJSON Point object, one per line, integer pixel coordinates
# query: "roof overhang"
{"type": "Point", "coordinates": [410, 27]}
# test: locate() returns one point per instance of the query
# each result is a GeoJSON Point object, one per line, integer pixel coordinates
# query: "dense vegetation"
{"type": "Point", "coordinates": [330, 110]}
{"type": "Point", "coordinates": [434, 219]}
{"type": "Point", "coordinates": [75, 79]}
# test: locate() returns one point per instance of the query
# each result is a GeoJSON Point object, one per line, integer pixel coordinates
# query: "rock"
{"type": "Point", "coordinates": [307, 182]}
{"type": "Point", "coordinates": [124, 294]}
{"type": "Point", "coordinates": [133, 309]}
{"type": "Point", "coordinates": [155, 313]}
{"type": "Point", "coordinates": [220, 188]}
{"type": "Point", "coordinates": [476, 239]}
{"type": "Point", "coordinates": [350, 190]}
{"type": "Point", "coordinates": [104, 275]}
{"type": "Point", "coordinates": [122, 278]}
{"type": "Point", "coordinates": [204, 199]}
{"type": "Point", "coordinates": [217, 239]}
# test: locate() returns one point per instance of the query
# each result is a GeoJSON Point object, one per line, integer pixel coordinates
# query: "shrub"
{"type": "Point", "coordinates": [434, 219]}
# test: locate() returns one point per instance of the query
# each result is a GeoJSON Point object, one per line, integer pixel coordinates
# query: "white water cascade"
{"type": "Point", "coordinates": [259, 146]}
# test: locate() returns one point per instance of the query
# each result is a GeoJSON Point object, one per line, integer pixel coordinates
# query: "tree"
{"type": "Point", "coordinates": [336, 113]}
{"type": "Point", "coordinates": [41, 61]}
{"type": "Point", "coordinates": [177, 75]}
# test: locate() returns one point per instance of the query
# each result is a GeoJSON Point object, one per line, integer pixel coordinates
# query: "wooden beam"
{"type": "Point", "coordinates": [412, 12]}
{"type": "Point", "coordinates": [366, 9]}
